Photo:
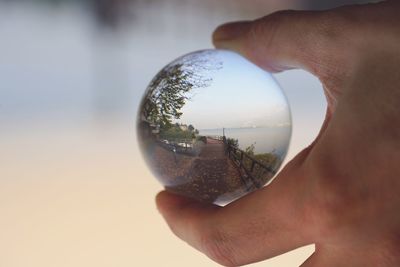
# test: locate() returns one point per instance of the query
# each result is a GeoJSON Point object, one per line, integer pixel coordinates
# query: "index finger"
{"type": "Point", "coordinates": [321, 42]}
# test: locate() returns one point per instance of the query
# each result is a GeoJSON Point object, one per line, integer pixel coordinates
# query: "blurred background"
{"type": "Point", "coordinates": [74, 190]}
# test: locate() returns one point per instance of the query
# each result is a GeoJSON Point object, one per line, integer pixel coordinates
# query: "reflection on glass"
{"type": "Point", "coordinates": [213, 126]}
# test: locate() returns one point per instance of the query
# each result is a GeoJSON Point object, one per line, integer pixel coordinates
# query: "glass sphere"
{"type": "Point", "coordinates": [213, 126]}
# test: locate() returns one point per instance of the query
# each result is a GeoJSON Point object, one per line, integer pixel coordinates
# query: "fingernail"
{"type": "Point", "coordinates": [230, 31]}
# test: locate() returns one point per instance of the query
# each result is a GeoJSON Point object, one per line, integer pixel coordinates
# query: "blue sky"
{"type": "Point", "coordinates": [240, 95]}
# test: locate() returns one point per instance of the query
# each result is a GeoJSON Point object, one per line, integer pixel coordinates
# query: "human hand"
{"type": "Point", "coordinates": [343, 191]}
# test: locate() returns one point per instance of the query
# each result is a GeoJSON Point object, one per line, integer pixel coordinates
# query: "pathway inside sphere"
{"type": "Point", "coordinates": [207, 177]}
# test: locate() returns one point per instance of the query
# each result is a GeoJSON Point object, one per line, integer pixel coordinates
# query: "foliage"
{"type": "Point", "coordinates": [165, 103]}
{"type": "Point", "coordinates": [169, 90]}
{"type": "Point", "coordinates": [250, 150]}
{"type": "Point", "coordinates": [269, 159]}
{"type": "Point", "coordinates": [174, 132]}
{"type": "Point", "coordinates": [232, 142]}
{"type": "Point", "coordinates": [202, 139]}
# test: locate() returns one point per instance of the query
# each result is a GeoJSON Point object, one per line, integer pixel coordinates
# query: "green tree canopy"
{"type": "Point", "coordinates": [170, 89]}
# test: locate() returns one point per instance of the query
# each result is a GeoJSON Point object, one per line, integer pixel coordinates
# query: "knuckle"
{"type": "Point", "coordinates": [217, 245]}
{"type": "Point", "coordinates": [283, 15]}
{"type": "Point", "coordinates": [319, 37]}
{"type": "Point", "coordinates": [268, 36]}
{"type": "Point", "coordinates": [332, 35]}
{"type": "Point", "coordinates": [344, 22]}
{"type": "Point", "coordinates": [272, 25]}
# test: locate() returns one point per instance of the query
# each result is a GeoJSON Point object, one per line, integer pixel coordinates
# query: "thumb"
{"type": "Point", "coordinates": [260, 225]}
{"type": "Point", "coordinates": [317, 41]}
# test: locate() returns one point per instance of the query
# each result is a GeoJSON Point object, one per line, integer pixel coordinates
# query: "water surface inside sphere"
{"type": "Point", "coordinates": [213, 126]}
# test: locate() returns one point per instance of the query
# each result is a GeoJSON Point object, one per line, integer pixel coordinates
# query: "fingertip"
{"type": "Point", "coordinates": [165, 200]}
{"type": "Point", "coordinates": [238, 37]}
{"type": "Point", "coordinates": [159, 200]}
{"type": "Point", "coordinates": [162, 197]}
{"type": "Point", "coordinates": [231, 30]}
{"type": "Point", "coordinates": [227, 35]}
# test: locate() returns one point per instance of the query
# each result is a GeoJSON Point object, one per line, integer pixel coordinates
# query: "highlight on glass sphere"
{"type": "Point", "coordinates": [213, 126]}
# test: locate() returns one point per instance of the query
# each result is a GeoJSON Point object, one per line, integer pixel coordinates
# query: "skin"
{"type": "Point", "coordinates": [342, 193]}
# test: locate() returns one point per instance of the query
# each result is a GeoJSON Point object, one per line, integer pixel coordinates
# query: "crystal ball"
{"type": "Point", "coordinates": [213, 126]}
